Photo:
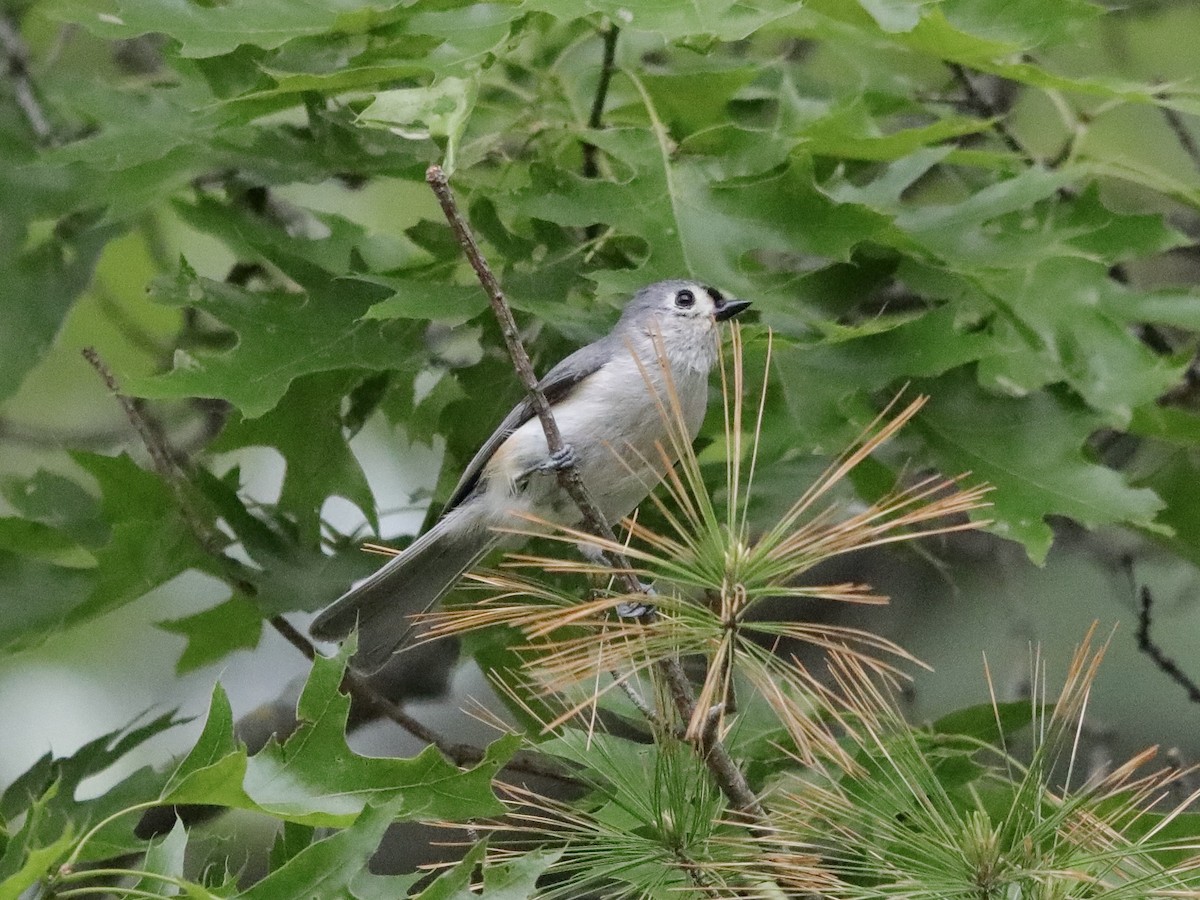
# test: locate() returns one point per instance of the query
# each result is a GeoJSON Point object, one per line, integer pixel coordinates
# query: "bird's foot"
{"type": "Point", "coordinates": [635, 609]}
{"type": "Point", "coordinates": [564, 458]}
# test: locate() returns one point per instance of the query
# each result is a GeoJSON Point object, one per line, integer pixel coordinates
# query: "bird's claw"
{"type": "Point", "coordinates": [635, 609]}
{"type": "Point", "coordinates": [563, 458]}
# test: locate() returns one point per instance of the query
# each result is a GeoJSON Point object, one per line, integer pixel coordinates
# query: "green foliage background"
{"type": "Point", "coordinates": [1022, 251]}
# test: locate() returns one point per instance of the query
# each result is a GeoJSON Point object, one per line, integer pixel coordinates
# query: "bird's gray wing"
{"type": "Point", "coordinates": [556, 385]}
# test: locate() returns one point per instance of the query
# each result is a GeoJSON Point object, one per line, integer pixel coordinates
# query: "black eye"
{"type": "Point", "coordinates": [685, 299]}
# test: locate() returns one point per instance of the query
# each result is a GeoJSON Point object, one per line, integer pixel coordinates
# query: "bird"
{"type": "Point", "coordinates": [608, 400]}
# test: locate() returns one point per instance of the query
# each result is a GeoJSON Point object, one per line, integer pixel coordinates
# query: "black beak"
{"type": "Point", "coordinates": [727, 309]}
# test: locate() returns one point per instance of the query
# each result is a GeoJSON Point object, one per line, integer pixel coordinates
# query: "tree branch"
{"type": "Point", "coordinates": [171, 468]}
{"type": "Point", "coordinates": [1182, 134]}
{"type": "Point", "coordinates": [983, 107]}
{"type": "Point", "coordinates": [596, 118]}
{"type": "Point", "coordinates": [17, 63]}
{"type": "Point", "coordinates": [728, 776]}
{"type": "Point", "coordinates": [362, 690]}
{"type": "Point", "coordinates": [1165, 664]}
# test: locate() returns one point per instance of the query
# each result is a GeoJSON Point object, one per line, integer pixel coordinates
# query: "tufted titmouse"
{"type": "Point", "coordinates": [608, 400]}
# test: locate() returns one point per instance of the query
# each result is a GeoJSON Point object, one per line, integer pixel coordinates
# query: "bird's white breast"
{"type": "Point", "coordinates": [615, 419]}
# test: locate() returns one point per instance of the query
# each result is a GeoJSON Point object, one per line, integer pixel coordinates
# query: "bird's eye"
{"type": "Point", "coordinates": [685, 299]}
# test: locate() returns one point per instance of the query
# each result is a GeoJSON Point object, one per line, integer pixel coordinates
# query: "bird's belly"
{"type": "Point", "coordinates": [619, 431]}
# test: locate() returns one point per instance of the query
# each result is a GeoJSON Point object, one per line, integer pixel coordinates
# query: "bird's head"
{"type": "Point", "coordinates": [679, 303]}
{"type": "Point", "coordinates": [684, 315]}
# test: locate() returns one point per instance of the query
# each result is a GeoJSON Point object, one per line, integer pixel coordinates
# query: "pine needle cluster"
{"type": "Point", "coordinates": [860, 804]}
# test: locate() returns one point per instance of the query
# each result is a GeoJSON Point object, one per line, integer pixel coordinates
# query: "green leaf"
{"type": "Point", "coordinates": [38, 598]}
{"type": "Point", "coordinates": [165, 857]}
{"type": "Point", "coordinates": [1079, 317]}
{"type": "Point", "coordinates": [42, 542]}
{"type": "Point", "coordinates": [306, 428]}
{"type": "Point", "coordinates": [55, 272]}
{"type": "Point", "coordinates": [328, 868]}
{"type": "Point", "coordinates": [987, 723]}
{"type": "Point", "coordinates": [850, 131]}
{"type": "Point", "coordinates": [150, 544]}
{"type": "Point", "coordinates": [440, 110]}
{"type": "Point", "coordinates": [33, 850]}
{"type": "Point", "coordinates": [824, 385]}
{"type": "Point", "coordinates": [1113, 236]}
{"type": "Point", "coordinates": [695, 98]}
{"type": "Point", "coordinates": [280, 338]}
{"type": "Point", "coordinates": [65, 774]}
{"type": "Point", "coordinates": [516, 880]}
{"type": "Point", "coordinates": [1029, 450]}
{"type": "Point", "coordinates": [1174, 478]}
{"type": "Point", "coordinates": [314, 778]}
{"type": "Point", "coordinates": [438, 301]}
{"type": "Point", "coordinates": [722, 19]}
{"type": "Point", "coordinates": [691, 223]}
{"type": "Point", "coordinates": [58, 502]}
{"type": "Point", "coordinates": [455, 884]}
{"type": "Point", "coordinates": [213, 770]}
{"type": "Point", "coordinates": [45, 795]}
{"type": "Point", "coordinates": [291, 839]}
{"type": "Point", "coordinates": [214, 633]}
{"type": "Point", "coordinates": [214, 30]}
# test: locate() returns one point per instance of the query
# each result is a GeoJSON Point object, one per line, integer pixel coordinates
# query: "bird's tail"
{"type": "Point", "coordinates": [409, 583]}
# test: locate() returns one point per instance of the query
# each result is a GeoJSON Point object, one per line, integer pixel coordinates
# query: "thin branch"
{"type": "Point", "coordinates": [170, 466]}
{"type": "Point", "coordinates": [1182, 134]}
{"type": "Point", "coordinates": [168, 463]}
{"type": "Point", "coordinates": [981, 105]}
{"type": "Point", "coordinates": [1167, 665]}
{"type": "Point", "coordinates": [596, 118]}
{"type": "Point", "coordinates": [985, 108]}
{"type": "Point", "coordinates": [364, 692]}
{"type": "Point", "coordinates": [725, 771]}
{"type": "Point", "coordinates": [568, 476]}
{"type": "Point", "coordinates": [16, 56]}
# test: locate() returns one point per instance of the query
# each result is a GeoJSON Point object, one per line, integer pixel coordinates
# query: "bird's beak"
{"type": "Point", "coordinates": [729, 308]}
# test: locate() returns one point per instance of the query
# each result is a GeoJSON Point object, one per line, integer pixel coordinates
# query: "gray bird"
{"type": "Point", "coordinates": [608, 400]}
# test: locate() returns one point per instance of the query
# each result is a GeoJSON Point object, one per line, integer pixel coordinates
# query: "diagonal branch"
{"type": "Point", "coordinates": [725, 771]}
{"type": "Point", "coordinates": [984, 107]}
{"type": "Point", "coordinates": [16, 58]}
{"type": "Point", "coordinates": [1146, 644]}
{"type": "Point", "coordinates": [1180, 129]}
{"type": "Point", "coordinates": [171, 468]}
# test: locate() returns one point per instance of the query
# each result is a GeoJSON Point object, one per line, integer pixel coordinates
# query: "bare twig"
{"type": "Point", "coordinates": [1182, 134]}
{"type": "Point", "coordinates": [361, 690]}
{"type": "Point", "coordinates": [17, 59]}
{"type": "Point", "coordinates": [981, 105]}
{"type": "Point", "coordinates": [985, 108]}
{"type": "Point", "coordinates": [725, 771]}
{"type": "Point", "coordinates": [596, 118]}
{"type": "Point", "coordinates": [167, 463]}
{"type": "Point", "coordinates": [171, 467]}
{"type": "Point", "coordinates": [568, 476]}
{"type": "Point", "coordinates": [1167, 665]}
